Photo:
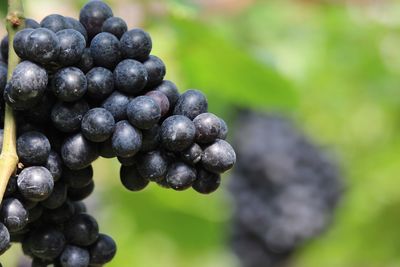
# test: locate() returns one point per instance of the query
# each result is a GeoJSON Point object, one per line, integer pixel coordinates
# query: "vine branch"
{"type": "Point", "coordinates": [8, 158]}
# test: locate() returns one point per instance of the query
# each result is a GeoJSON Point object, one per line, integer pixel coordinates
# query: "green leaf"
{"type": "Point", "coordinates": [227, 72]}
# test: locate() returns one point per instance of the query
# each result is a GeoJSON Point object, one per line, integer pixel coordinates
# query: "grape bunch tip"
{"type": "Point", "coordinates": [85, 89]}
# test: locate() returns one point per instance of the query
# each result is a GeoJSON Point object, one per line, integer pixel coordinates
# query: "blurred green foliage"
{"type": "Point", "coordinates": [334, 67]}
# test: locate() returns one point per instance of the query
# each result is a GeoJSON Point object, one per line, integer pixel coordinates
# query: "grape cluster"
{"type": "Point", "coordinates": [86, 89]}
{"type": "Point", "coordinates": [285, 190]}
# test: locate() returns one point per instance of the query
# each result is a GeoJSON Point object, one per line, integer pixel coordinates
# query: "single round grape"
{"type": "Point", "coordinates": [100, 83]}
{"type": "Point", "coordinates": [13, 214]}
{"type": "Point", "coordinates": [20, 42]}
{"type": "Point", "coordinates": [130, 76]}
{"type": "Point", "coordinates": [78, 178]}
{"type": "Point", "coordinates": [152, 165]}
{"type": "Point", "coordinates": [150, 139]}
{"type": "Point", "coordinates": [57, 197]}
{"type": "Point", "coordinates": [27, 85]}
{"type": "Point", "coordinates": [177, 133]}
{"type": "Point", "coordinates": [77, 152]}
{"type": "Point", "coordinates": [126, 140]}
{"type": "Point", "coordinates": [218, 157]}
{"type": "Point", "coordinates": [208, 127]}
{"type": "Point", "coordinates": [103, 250]}
{"type": "Point", "coordinates": [78, 194]}
{"type": "Point", "coordinates": [116, 104]}
{"type": "Point", "coordinates": [93, 15]}
{"type": "Point", "coordinates": [162, 101]}
{"type": "Point", "coordinates": [82, 230]}
{"type": "Point", "coordinates": [156, 70]}
{"type": "Point", "coordinates": [105, 50]}
{"type": "Point", "coordinates": [77, 26]}
{"type": "Point", "coordinates": [192, 155]}
{"type": "Point", "coordinates": [72, 45]}
{"type": "Point", "coordinates": [69, 84]}
{"type": "Point", "coordinates": [33, 148]}
{"type": "Point", "coordinates": [31, 23]}
{"type": "Point", "coordinates": [206, 182]}
{"type": "Point", "coordinates": [191, 104]}
{"type": "Point", "coordinates": [180, 176]}
{"type": "Point", "coordinates": [73, 256]}
{"type": "Point", "coordinates": [54, 22]}
{"type": "Point", "coordinates": [42, 46]}
{"type": "Point", "coordinates": [35, 183]}
{"type": "Point", "coordinates": [136, 44]}
{"type": "Point", "coordinates": [223, 133]}
{"type": "Point", "coordinates": [131, 179]}
{"type": "Point", "coordinates": [86, 63]}
{"type": "Point", "coordinates": [4, 239]}
{"type": "Point", "coordinates": [98, 125]}
{"type": "Point", "coordinates": [115, 25]}
{"type": "Point", "coordinates": [54, 165]}
{"type": "Point", "coordinates": [67, 117]}
{"type": "Point", "coordinates": [170, 90]}
{"type": "Point", "coordinates": [47, 243]}
{"type": "Point", "coordinates": [143, 112]}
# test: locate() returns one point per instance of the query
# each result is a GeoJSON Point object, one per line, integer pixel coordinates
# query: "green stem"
{"type": "Point", "coordinates": [8, 157]}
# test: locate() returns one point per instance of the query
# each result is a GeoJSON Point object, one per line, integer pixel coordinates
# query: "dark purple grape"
{"type": "Point", "coordinates": [152, 165]}
{"type": "Point", "coordinates": [115, 25]}
{"type": "Point", "coordinates": [98, 125]}
{"type": "Point", "coordinates": [180, 176]}
{"type": "Point", "coordinates": [54, 22]}
{"type": "Point", "coordinates": [33, 148]}
{"type": "Point", "coordinates": [35, 183]}
{"type": "Point", "coordinates": [143, 112]}
{"type": "Point", "coordinates": [82, 230]}
{"type": "Point", "coordinates": [72, 45]}
{"type": "Point", "coordinates": [218, 157]}
{"type": "Point", "coordinates": [208, 127]}
{"type": "Point", "coordinates": [126, 140]}
{"type": "Point", "coordinates": [78, 153]}
{"type": "Point", "coordinates": [93, 15]}
{"type": "Point", "coordinates": [13, 214]}
{"type": "Point", "coordinates": [130, 76]}
{"type": "Point", "coordinates": [206, 182]}
{"type": "Point", "coordinates": [131, 179]}
{"type": "Point", "coordinates": [103, 250]}
{"type": "Point", "coordinates": [105, 50]}
{"type": "Point", "coordinates": [191, 104]}
{"type": "Point", "coordinates": [155, 69]}
{"type": "Point", "coordinates": [100, 83]}
{"type": "Point", "coordinates": [177, 133]}
{"type": "Point", "coordinates": [136, 44]}
{"type": "Point", "coordinates": [69, 84]}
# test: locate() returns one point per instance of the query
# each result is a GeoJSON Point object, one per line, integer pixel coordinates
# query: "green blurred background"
{"type": "Point", "coordinates": [332, 65]}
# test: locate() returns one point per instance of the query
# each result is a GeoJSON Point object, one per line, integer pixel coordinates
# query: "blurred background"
{"type": "Point", "coordinates": [332, 66]}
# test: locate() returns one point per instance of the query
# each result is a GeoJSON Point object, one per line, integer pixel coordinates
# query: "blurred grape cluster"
{"type": "Point", "coordinates": [284, 187]}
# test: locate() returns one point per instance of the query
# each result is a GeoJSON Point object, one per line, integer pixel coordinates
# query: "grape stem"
{"type": "Point", "coordinates": [8, 158]}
